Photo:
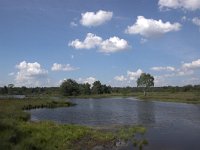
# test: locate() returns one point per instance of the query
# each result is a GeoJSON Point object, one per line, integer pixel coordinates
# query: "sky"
{"type": "Point", "coordinates": [45, 42]}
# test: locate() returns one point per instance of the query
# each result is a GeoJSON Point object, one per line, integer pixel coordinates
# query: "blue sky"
{"type": "Point", "coordinates": [44, 42]}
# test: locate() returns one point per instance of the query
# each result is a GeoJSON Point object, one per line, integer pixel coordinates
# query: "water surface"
{"type": "Point", "coordinates": [171, 126]}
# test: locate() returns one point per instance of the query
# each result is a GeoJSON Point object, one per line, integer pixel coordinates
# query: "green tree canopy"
{"type": "Point", "coordinates": [85, 89]}
{"type": "Point", "coordinates": [70, 87]}
{"type": "Point", "coordinates": [97, 88]}
{"type": "Point", "coordinates": [146, 81]}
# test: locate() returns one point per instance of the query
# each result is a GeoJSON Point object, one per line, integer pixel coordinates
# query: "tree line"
{"type": "Point", "coordinates": [70, 87]}
{"type": "Point", "coordinates": [84, 90]}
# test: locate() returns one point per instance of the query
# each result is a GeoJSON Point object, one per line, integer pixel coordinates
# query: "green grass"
{"type": "Point", "coordinates": [17, 133]}
{"type": "Point", "coordinates": [179, 97]}
{"type": "Point", "coordinates": [98, 96]}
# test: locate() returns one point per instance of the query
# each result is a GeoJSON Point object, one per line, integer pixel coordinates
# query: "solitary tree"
{"type": "Point", "coordinates": [146, 81]}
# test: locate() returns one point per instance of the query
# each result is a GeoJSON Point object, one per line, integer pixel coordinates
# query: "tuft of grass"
{"type": "Point", "coordinates": [129, 134]}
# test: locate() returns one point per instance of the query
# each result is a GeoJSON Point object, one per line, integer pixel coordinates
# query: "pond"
{"type": "Point", "coordinates": [171, 126]}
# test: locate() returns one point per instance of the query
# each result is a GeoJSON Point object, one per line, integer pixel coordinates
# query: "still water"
{"type": "Point", "coordinates": [171, 126]}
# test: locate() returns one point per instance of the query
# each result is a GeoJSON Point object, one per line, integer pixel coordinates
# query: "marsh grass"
{"type": "Point", "coordinates": [182, 97]}
{"type": "Point", "coordinates": [179, 97]}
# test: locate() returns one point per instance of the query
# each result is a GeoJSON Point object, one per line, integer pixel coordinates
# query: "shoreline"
{"type": "Point", "coordinates": [177, 97]}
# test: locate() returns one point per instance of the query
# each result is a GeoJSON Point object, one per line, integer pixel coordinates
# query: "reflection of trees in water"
{"type": "Point", "coordinates": [146, 114]}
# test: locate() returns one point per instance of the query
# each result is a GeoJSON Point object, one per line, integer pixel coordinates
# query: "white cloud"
{"type": "Point", "coordinates": [89, 80]}
{"type": "Point", "coordinates": [111, 45]}
{"type": "Point", "coordinates": [127, 80]}
{"type": "Point", "coordinates": [151, 28]}
{"type": "Point", "coordinates": [159, 81]}
{"type": "Point", "coordinates": [120, 78]}
{"type": "Point", "coordinates": [73, 24]}
{"type": "Point", "coordinates": [30, 74]}
{"type": "Point", "coordinates": [193, 65]}
{"type": "Point", "coordinates": [183, 4]}
{"type": "Point", "coordinates": [176, 78]}
{"type": "Point", "coordinates": [61, 67]}
{"type": "Point", "coordinates": [91, 41]}
{"type": "Point", "coordinates": [186, 69]}
{"type": "Point", "coordinates": [95, 19]}
{"type": "Point", "coordinates": [167, 68]}
{"type": "Point", "coordinates": [184, 72]}
{"type": "Point", "coordinates": [180, 76]}
{"type": "Point", "coordinates": [196, 21]}
{"type": "Point", "coordinates": [134, 75]}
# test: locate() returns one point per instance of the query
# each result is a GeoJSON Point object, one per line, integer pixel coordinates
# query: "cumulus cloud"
{"type": "Point", "coordinates": [95, 19]}
{"type": "Point", "coordinates": [175, 78]}
{"type": "Point", "coordinates": [120, 78]}
{"type": "Point", "coordinates": [193, 65]}
{"type": "Point", "coordinates": [61, 67]}
{"type": "Point", "coordinates": [167, 68]}
{"type": "Point", "coordinates": [111, 45]}
{"type": "Point", "coordinates": [151, 28]}
{"type": "Point", "coordinates": [159, 81]}
{"type": "Point", "coordinates": [134, 75]}
{"type": "Point", "coordinates": [183, 4]}
{"type": "Point", "coordinates": [185, 70]}
{"type": "Point", "coordinates": [30, 74]}
{"type": "Point", "coordinates": [196, 21]}
{"type": "Point", "coordinates": [180, 75]}
{"type": "Point", "coordinates": [91, 41]}
{"type": "Point", "coordinates": [89, 80]}
{"type": "Point", "coordinates": [127, 80]}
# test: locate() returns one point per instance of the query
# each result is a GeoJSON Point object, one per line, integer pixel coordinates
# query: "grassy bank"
{"type": "Point", "coordinates": [180, 97]}
{"type": "Point", "coordinates": [16, 132]}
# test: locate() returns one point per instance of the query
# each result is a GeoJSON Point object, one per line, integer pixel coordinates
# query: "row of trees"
{"type": "Point", "coordinates": [72, 88]}
{"type": "Point", "coordinates": [123, 90]}
{"type": "Point", "coordinates": [6, 90]}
